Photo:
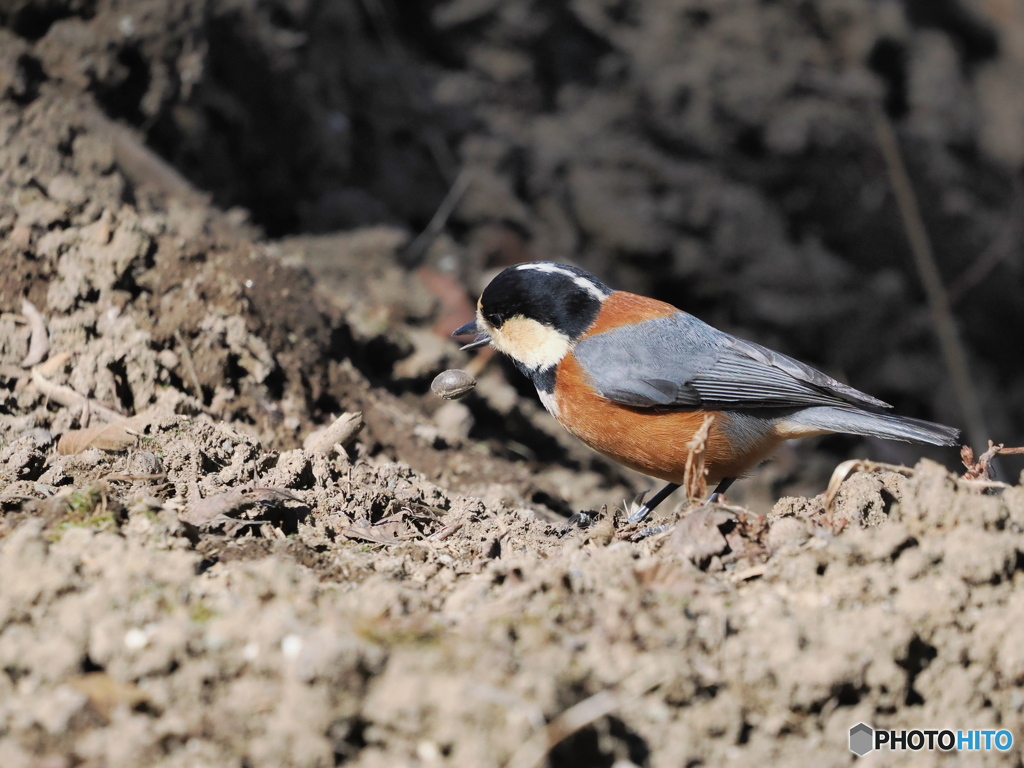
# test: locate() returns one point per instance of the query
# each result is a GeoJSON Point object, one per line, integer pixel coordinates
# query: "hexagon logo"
{"type": "Point", "coordinates": [862, 739]}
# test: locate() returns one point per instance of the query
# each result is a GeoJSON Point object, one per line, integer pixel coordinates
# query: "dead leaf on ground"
{"type": "Point", "coordinates": [107, 437]}
{"type": "Point", "coordinates": [387, 534]}
{"type": "Point", "coordinates": [217, 510]}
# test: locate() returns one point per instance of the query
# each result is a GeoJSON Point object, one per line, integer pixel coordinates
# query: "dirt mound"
{"type": "Point", "coordinates": [237, 529]}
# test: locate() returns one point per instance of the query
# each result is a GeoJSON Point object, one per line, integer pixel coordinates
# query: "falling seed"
{"type": "Point", "coordinates": [452, 384]}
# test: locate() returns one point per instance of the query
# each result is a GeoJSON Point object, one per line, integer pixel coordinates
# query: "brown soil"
{"type": "Point", "coordinates": [182, 583]}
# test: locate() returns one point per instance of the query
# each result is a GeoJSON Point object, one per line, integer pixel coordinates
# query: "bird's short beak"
{"type": "Point", "coordinates": [482, 339]}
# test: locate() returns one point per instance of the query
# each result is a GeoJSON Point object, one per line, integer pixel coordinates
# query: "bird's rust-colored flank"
{"type": "Point", "coordinates": [623, 308]}
{"type": "Point", "coordinates": [651, 441]}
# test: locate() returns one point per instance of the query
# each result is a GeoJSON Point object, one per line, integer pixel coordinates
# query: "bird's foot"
{"type": "Point", "coordinates": [637, 509]}
{"type": "Point", "coordinates": [578, 520]}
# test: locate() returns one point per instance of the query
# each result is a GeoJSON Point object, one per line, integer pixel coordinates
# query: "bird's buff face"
{"type": "Point", "coordinates": [534, 312]}
{"type": "Point", "coordinates": [531, 344]}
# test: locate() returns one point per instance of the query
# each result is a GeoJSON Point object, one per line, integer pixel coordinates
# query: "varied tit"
{"type": "Point", "coordinates": [634, 378]}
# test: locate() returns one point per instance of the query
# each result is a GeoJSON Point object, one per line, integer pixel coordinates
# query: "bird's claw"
{"type": "Point", "coordinates": [578, 520]}
{"type": "Point", "coordinates": [638, 510]}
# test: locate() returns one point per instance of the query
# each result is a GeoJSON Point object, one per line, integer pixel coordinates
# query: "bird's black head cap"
{"type": "Point", "coordinates": [558, 296]}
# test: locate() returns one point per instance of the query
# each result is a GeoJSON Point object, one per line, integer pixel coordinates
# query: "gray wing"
{"type": "Point", "coordinates": [682, 361]}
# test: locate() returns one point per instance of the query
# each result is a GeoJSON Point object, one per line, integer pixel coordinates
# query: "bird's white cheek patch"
{"type": "Point", "coordinates": [534, 345]}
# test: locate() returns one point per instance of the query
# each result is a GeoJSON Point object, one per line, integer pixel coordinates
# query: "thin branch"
{"type": "Point", "coordinates": [577, 717]}
{"type": "Point", "coordinates": [413, 255]}
{"type": "Point", "coordinates": [952, 347]}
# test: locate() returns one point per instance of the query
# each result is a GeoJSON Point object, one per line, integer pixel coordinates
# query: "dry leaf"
{"type": "Point", "coordinates": [216, 510]}
{"type": "Point", "coordinates": [378, 534]}
{"type": "Point", "coordinates": [107, 437]}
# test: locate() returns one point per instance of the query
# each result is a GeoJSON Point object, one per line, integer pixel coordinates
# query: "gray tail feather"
{"type": "Point", "coordinates": [886, 425]}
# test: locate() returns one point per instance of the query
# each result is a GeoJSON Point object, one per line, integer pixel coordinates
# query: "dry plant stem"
{"type": "Point", "coordinates": [938, 299]}
{"type": "Point", "coordinates": [695, 477]}
{"type": "Point", "coordinates": [39, 345]}
{"type": "Point", "coordinates": [577, 717]}
{"type": "Point", "coordinates": [997, 251]}
{"type": "Point", "coordinates": [122, 478]}
{"type": "Point", "coordinates": [414, 255]}
{"type": "Point", "coordinates": [53, 365]}
{"type": "Point", "coordinates": [70, 399]}
{"type": "Point", "coordinates": [979, 471]}
{"type": "Point", "coordinates": [341, 432]}
{"type": "Point", "coordinates": [139, 163]}
{"type": "Point", "coordinates": [847, 468]}
{"type": "Point", "coordinates": [414, 91]}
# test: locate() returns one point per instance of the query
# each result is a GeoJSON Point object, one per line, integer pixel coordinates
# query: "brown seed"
{"type": "Point", "coordinates": [452, 384]}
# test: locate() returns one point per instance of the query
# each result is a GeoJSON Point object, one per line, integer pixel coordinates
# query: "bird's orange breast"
{"type": "Point", "coordinates": [649, 440]}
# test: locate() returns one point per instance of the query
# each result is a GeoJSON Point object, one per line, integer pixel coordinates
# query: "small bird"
{"type": "Point", "coordinates": [634, 378]}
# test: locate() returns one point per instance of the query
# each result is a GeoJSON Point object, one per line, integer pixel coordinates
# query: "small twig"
{"type": "Point", "coordinates": [416, 251]}
{"type": "Point", "coordinates": [980, 470]}
{"type": "Point", "coordinates": [53, 365]}
{"type": "Point", "coordinates": [39, 344]}
{"type": "Point", "coordinates": [69, 398]}
{"type": "Point", "coordinates": [577, 717]}
{"type": "Point", "coordinates": [119, 477]}
{"type": "Point", "coordinates": [444, 533]}
{"type": "Point", "coordinates": [997, 251]}
{"type": "Point", "coordinates": [752, 572]}
{"type": "Point", "coordinates": [409, 80]}
{"type": "Point", "coordinates": [339, 434]}
{"type": "Point", "coordinates": [938, 299]}
{"type": "Point", "coordinates": [847, 468]}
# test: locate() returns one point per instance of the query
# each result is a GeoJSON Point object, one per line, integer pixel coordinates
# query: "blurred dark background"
{"type": "Point", "coordinates": [723, 156]}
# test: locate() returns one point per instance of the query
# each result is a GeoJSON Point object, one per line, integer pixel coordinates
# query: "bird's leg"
{"type": "Point", "coordinates": [723, 486]}
{"type": "Point", "coordinates": [648, 507]}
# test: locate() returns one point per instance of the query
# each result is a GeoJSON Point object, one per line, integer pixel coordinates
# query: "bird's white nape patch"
{"type": "Point", "coordinates": [553, 269]}
{"type": "Point", "coordinates": [533, 345]}
{"type": "Point", "coordinates": [547, 399]}
{"type": "Point", "coordinates": [544, 266]}
{"type": "Point", "coordinates": [590, 287]}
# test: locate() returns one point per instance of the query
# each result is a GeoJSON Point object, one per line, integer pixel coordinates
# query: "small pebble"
{"type": "Point", "coordinates": [452, 384]}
